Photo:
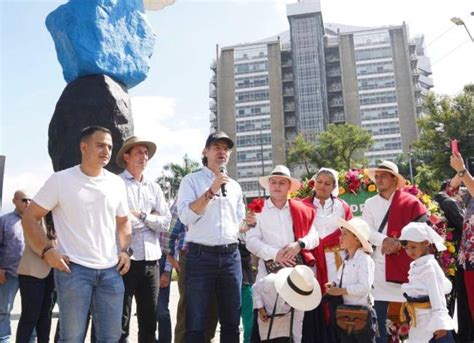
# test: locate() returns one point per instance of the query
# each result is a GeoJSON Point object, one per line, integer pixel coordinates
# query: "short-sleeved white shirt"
{"type": "Point", "coordinates": [84, 213]}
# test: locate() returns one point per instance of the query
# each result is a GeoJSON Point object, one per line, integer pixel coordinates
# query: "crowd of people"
{"type": "Point", "coordinates": [92, 241]}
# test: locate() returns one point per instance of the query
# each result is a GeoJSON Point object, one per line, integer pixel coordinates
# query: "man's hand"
{"type": "Point", "coordinates": [329, 285]}
{"type": "Point", "coordinates": [220, 179]}
{"type": "Point", "coordinates": [336, 291]}
{"type": "Point", "coordinates": [457, 162]}
{"type": "Point", "coordinates": [174, 262]}
{"type": "Point", "coordinates": [390, 246]}
{"type": "Point", "coordinates": [57, 260]}
{"type": "Point", "coordinates": [292, 250]}
{"type": "Point", "coordinates": [3, 276]}
{"type": "Point", "coordinates": [262, 313]}
{"type": "Point", "coordinates": [123, 263]}
{"type": "Point", "coordinates": [250, 220]}
{"type": "Point", "coordinates": [280, 258]}
{"type": "Point", "coordinates": [164, 280]}
{"type": "Point", "coordinates": [440, 333]}
{"type": "Point", "coordinates": [135, 213]}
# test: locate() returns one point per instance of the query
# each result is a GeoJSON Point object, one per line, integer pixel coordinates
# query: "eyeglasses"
{"type": "Point", "coordinates": [25, 200]}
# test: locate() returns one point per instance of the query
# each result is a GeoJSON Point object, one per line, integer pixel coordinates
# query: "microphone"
{"type": "Point", "coordinates": [223, 170]}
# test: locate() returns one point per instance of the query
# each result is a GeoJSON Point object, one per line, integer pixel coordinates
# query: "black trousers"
{"type": "Point", "coordinates": [37, 301]}
{"type": "Point", "coordinates": [465, 330]}
{"type": "Point", "coordinates": [141, 282]}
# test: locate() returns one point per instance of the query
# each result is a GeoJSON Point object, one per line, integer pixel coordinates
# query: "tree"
{"type": "Point", "coordinates": [447, 117]}
{"type": "Point", "coordinates": [342, 146]}
{"type": "Point", "coordinates": [178, 171]}
{"type": "Point", "coordinates": [302, 152]}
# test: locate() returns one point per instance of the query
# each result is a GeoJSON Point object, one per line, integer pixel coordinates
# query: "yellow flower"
{"type": "Point", "coordinates": [366, 172]}
{"type": "Point", "coordinates": [341, 190]}
{"type": "Point", "coordinates": [451, 249]}
{"type": "Point", "coordinates": [372, 188]}
{"type": "Point", "coordinates": [407, 182]}
{"type": "Point", "coordinates": [426, 198]}
{"type": "Point", "coordinates": [451, 271]}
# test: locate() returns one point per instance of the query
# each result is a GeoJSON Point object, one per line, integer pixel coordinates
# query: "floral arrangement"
{"type": "Point", "coordinates": [397, 331]}
{"type": "Point", "coordinates": [256, 206]}
{"type": "Point", "coordinates": [354, 181]}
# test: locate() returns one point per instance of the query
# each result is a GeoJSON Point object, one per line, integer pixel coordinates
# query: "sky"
{"type": "Point", "coordinates": [171, 105]}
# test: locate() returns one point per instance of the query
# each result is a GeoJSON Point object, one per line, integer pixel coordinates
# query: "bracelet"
{"type": "Point", "coordinates": [209, 194]}
{"type": "Point", "coordinates": [45, 250]}
{"type": "Point", "coordinates": [461, 173]}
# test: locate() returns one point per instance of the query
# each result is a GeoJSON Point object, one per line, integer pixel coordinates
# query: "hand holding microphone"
{"type": "Point", "coordinates": [223, 171]}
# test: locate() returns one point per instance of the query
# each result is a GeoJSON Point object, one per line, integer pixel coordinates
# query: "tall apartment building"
{"type": "Point", "coordinates": [266, 92]}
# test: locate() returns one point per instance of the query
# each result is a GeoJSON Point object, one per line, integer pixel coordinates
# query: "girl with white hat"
{"type": "Point", "coordinates": [355, 278]}
{"type": "Point", "coordinates": [427, 286]}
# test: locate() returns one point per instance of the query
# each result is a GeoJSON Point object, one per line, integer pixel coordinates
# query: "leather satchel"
{"type": "Point", "coordinates": [273, 267]}
{"type": "Point", "coordinates": [352, 319]}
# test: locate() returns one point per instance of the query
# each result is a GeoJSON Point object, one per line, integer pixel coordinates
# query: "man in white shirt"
{"type": "Point", "coordinates": [150, 215]}
{"type": "Point", "coordinates": [211, 205]}
{"type": "Point", "coordinates": [387, 213]}
{"type": "Point", "coordinates": [90, 214]}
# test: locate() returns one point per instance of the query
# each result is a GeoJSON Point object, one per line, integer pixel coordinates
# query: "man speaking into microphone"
{"type": "Point", "coordinates": [211, 204]}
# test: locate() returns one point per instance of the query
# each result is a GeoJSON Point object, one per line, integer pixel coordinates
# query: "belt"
{"type": "Point", "coordinates": [335, 249]}
{"type": "Point", "coordinates": [410, 307]}
{"type": "Point", "coordinates": [216, 249]}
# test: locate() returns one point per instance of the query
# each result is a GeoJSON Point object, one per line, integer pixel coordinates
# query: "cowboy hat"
{"type": "Point", "coordinates": [129, 143]}
{"type": "Point", "coordinates": [298, 287]}
{"type": "Point", "coordinates": [360, 229]}
{"type": "Point", "coordinates": [335, 174]}
{"type": "Point", "coordinates": [389, 167]}
{"type": "Point", "coordinates": [419, 232]}
{"type": "Point", "coordinates": [280, 171]}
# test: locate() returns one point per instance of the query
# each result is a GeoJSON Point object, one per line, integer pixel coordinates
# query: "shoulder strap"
{"type": "Point", "coordinates": [271, 319]}
{"type": "Point", "coordinates": [384, 220]}
{"type": "Point", "coordinates": [291, 325]}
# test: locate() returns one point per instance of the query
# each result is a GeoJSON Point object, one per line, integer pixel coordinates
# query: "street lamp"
{"type": "Point", "coordinates": [458, 21]}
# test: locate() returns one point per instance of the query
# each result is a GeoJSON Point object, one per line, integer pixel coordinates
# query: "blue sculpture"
{"type": "Point", "coordinates": [111, 37]}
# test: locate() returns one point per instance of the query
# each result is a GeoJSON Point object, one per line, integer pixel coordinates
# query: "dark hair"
{"type": "Point", "coordinates": [445, 184]}
{"type": "Point", "coordinates": [49, 224]}
{"type": "Point", "coordinates": [204, 160]}
{"type": "Point", "coordinates": [90, 130]}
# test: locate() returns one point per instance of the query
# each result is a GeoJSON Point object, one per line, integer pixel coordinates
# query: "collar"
{"type": "Point", "coordinates": [389, 199]}
{"type": "Point", "coordinates": [328, 203]}
{"type": "Point", "coordinates": [270, 204]}
{"type": "Point", "coordinates": [130, 177]}
{"type": "Point", "coordinates": [423, 259]}
{"type": "Point", "coordinates": [209, 173]}
{"type": "Point", "coordinates": [357, 254]}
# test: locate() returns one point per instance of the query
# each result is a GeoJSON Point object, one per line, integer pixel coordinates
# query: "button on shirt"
{"type": "Point", "coordinates": [146, 196]}
{"type": "Point", "coordinates": [12, 242]}
{"type": "Point", "coordinates": [357, 279]}
{"type": "Point", "coordinates": [274, 231]}
{"type": "Point", "coordinates": [219, 224]}
{"type": "Point", "coordinates": [374, 211]}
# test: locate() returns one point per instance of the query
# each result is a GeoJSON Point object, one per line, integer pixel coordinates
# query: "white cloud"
{"type": "Point", "coordinates": [155, 118]}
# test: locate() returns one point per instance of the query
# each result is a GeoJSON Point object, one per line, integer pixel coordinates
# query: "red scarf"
{"type": "Point", "coordinates": [404, 209]}
{"type": "Point", "coordinates": [303, 217]}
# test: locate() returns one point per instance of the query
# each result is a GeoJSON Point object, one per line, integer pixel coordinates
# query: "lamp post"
{"type": "Point", "coordinates": [410, 165]}
{"type": "Point", "coordinates": [458, 21]}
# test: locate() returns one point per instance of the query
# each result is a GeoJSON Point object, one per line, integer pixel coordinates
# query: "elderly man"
{"type": "Point", "coordinates": [90, 215]}
{"type": "Point", "coordinates": [11, 248]}
{"type": "Point", "coordinates": [149, 215]}
{"type": "Point", "coordinates": [387, 213]}
{"type": "Point", "coordinates": [211, 204]}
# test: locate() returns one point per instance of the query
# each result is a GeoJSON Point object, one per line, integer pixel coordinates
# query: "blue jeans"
{"type": "Point", "coordinates": [448, 338]}
{"type": "Point", "coordinates": [210, 274]}
{"type": "Point", "coordinates": [162, 309]}
{"type": "Point", "coordinates": [8, 292]}
{"type": "Point", "coordinates": [101, 291]}
{"type": "Point", "coordinates": [381, 308]}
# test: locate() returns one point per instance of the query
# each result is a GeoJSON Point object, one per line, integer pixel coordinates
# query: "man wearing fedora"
{"type": "Point", "coordinates": [387, 213]}
{"type": "Point", "coordinates": [211, 204]}
{"type": "Point", "coordinates": [149, 216]}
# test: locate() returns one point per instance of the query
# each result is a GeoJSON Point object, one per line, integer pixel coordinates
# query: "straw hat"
{"type": "Point", "coordinates": [419, 232]}
{"type": "Point", "coordinates": [298, 287]}
{"type": "Point", "coordinates": [389, 167]}
{"type": "Point", "coordinates": [129, 143]}
{"type": "Point", "coordinates": [280, 171]}
{"type": "Point", "coordinates": [360, 229]}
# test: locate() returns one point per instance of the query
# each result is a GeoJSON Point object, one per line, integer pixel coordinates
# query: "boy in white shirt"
{"type": "Point", "coordinates": [427, 286]}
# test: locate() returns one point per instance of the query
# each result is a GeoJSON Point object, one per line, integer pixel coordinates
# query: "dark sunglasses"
{"type": "Point", "coordinates": [25, 200]}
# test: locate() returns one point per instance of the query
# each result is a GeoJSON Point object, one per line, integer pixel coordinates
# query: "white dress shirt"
{"type": "Point", "coordinates": [357, 279]}
{"type": "Point", "coordinates": [274, 231]}
{"type": "Point", "coordinates": [219, 224]}
{"type": "Point", "coordinates": [426, 278]}
{"type": "Point", "coordinates": [146, 196]}
{"type": "Point", "coordinates": [374, 211]}
{"type": "Point", "coordinates": [264, 296]}
{"type": "Point", "coordinates": [325, 224]}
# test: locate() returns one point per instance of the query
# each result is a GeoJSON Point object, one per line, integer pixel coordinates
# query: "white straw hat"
{"type": "Point", "coordinates": [360, 229]}
{"type": "Point", "coordinates": [419, 232]}
{"type": "Point", "coordinates": [280, 171]}
{"type": "Point", "coordinates": [389, 167]}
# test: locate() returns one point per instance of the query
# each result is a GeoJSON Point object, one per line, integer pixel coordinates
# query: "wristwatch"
{"type": "Point", "coordinates": [301, 243]}
{"type": "Point", "coordinates": [128, 251]}
{"type": "Point", "coordinates": [142, 216]}
{"type": "Point", "coordinates": [461, 173]}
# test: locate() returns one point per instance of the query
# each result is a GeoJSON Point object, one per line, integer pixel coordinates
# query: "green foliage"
{"type": "Point", "coordinates": [178, 171]}
{"type": "Point", "coordinates": [447, 117]}
{"type": "Point", "coordinates": [302, 152]}
{"type": "Point", "coordinates": [425, 179]}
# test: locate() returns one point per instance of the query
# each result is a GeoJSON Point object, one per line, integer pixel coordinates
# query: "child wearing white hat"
{"type": "Point", "coordinates": [281, 300]}
{"type": "Point", "coordinates": [355, 277]}
{"type": "Point", "coordinates": [426, 288]}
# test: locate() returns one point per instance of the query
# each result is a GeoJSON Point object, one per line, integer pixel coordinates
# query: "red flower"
{"type": "Point", "coordinates": [404, 330]}
{"type": "Point", "coordinates": [311, 184]}
{"type": "Point", "coordinates": [449, 235]}
{"type": "Point", "coordinates": [256, 206]}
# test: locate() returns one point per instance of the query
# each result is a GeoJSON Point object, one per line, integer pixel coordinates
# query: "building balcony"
{"type": "Point", "coordinates": [289, 107]}
{"type": "Point", "coordinates": [290, 123]}
{"type": "Point", "coordinates": [334, 72]}
{"type": "Point", "coordinates": [286, 63]}
{"type": "Point", "coordinates": [289, 92]}
{"type": "Point", "coordinates": [213, 93]}
{"type": "Point", "coordinates": [335, 87]}
{"type": "Point", "coordinates": [213, 65]}
{"type": "Point", "coordinates": [213, 105]}
{"type": "Point", "coordinates": [287, 77]}
{"type": "Point", "coordinates": [213, 79]}
{"type": "Point", "coordinates": [336, 103]}
{"type": "Point", "coordinates": [285, 46]}
{"type": "Point", "coordinates": [338, 117]}
{"type": "Point", "coordinates": [332, 58]}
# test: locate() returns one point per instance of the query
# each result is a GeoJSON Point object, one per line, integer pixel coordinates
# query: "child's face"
{"type": "Point", "coordinates": [348, 240]}
{"type": "Point", "coordinates": [416, 249]}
